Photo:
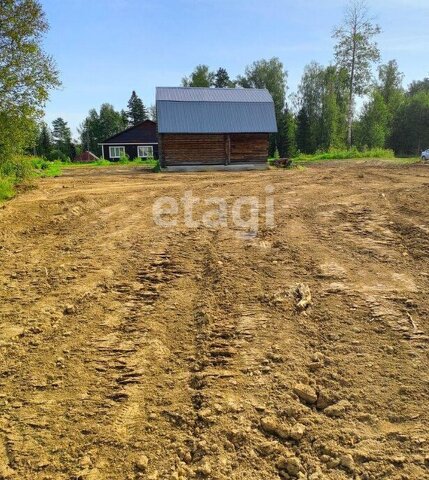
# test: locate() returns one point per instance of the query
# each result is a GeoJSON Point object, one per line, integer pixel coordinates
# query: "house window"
{"type": "Point", "coordinates": [116, 152]}
{"type": "Point", "coordinates": [145, 151]}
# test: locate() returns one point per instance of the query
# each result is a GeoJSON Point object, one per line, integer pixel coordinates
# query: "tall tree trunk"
{"type": "Point", "coordinates": [351, 96]}
{"type": "Point", "coordinates": [350, 118]}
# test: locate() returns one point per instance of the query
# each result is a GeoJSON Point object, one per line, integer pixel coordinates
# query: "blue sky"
{"type": "Point", "coordinates": [104, 49]}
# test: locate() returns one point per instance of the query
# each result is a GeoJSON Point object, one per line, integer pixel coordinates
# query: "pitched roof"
{"type": "Point", "coordinates": [203, 94]}
{"type": "Point", "coordinates": [86, 156]}
{"type": "Point", "coordinates": [214, 110]}
{"type": "Point", "coordinates": [143, 132]}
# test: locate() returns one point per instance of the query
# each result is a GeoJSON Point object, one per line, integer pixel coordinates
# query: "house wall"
{"type": "Point", "coordinates": [249, 147]}
{"type": "Point", "coordinates": [192, 149]}
{"type": "Point", "coordinates": [212, 149]}
{"type": "Point", "coordinates": [130, 150]}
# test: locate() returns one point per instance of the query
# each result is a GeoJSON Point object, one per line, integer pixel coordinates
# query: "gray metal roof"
{"type": "Point", "coordinates": [214, 110]}
{"type": "Point", "coordinates": [202, 94]}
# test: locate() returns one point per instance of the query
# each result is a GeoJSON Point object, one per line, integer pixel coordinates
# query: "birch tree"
{"type": "Point", "coordinates": [356, 51]}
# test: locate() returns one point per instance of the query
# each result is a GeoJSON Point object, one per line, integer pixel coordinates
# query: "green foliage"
{"type": "Point", "coordinates": [57, 155]}
{"type": "Point", "coordinates": [410, 131]}
{"type": "Point", "coordinates": [44, 140]}
{"type": "Point", "coordinates": [136, 112]}
{"type": "Point", "coordinates": [7, 190]}
{"type": "Point", "coordinates": [419, 86]}
{"type": "Point", "coordinates": [276, 155]}
{"type": "Point", "coordinates": [157, 167]}
{"type": "Point", "coordinates": [347, 154]}
{"type": "Point", "coordinates": [323, 100]}
{"type": "Point", "coordinates": [26, 74]}
{"type": "Point", "coordinates": [45, 168]}
{"type": "Point", "coordinates": [355, 52]}
{"type": "Point", "coordinates": [124, 159]}
{"type": "Point", "coordinates": [62, 137]}
{"type": "Point", "coordinates": [14, 170]}
{"type": "Point", "coordinates": [269, 74]}
{"type": "Point", "coordinates": [390, 85]}
{"type": "Point", "coordinates": [373, 128]}
{"type": "Point", "coordinates": [101, 163]}
{"type": "Point", "coordinates": [99, 126]}
{"type": "Point", "coordinates": [286, 138]}
{"type": "Point", "coordinates": [17, 167]}
{"type": "Point", "coordinates": [222, 80]}
{"type": "Point", "coordinates": [200, 77]}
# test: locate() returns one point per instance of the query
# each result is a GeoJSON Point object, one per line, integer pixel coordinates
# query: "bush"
{"type": "Point", "coordinates": [347, 154]}
{"type": "Point", "coordinates": [18, 168]}
{"type": "Point", "coordinates": [101, 162]}
{"type": "Point", "coordinates": [6, 188]}
{"type": "Point", "coordinates": [124, 159]}
{"type": "Point", "coordinates": [157, 166]}
{"type": "Point", "coordinates": [58, 155]}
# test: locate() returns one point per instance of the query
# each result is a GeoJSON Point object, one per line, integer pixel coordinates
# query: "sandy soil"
{"type": "Point", "coordinates": [131, 351]}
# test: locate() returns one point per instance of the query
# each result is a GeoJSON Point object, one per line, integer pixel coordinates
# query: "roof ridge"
{"type": "Point", "coordinates": [215, 88]}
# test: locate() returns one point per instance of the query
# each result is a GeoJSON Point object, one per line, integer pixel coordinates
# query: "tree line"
{"type": "Point", "coordinates": [322, 114]}
{"type": "Point", "coordinates": [56, 142]}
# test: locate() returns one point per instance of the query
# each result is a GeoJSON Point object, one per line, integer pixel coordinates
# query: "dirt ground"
{"type": "Point", "coordinates": [132, 351]}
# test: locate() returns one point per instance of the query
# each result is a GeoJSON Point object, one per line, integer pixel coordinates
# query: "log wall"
{"type": "Point", "coordinates": [190, 149]}
{"type": "Point", "coordinates": [213, 149]}
{"type": "Point", "coordinates": [249, 147]}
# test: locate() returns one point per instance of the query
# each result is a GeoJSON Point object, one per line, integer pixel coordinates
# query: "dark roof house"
{"type": "Point", "coordinates": [214, 126]}
{"type": "Point", "coordinates": [139, 141]}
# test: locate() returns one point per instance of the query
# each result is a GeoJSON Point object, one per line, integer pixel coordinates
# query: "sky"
{"type": "Point", "coordinates": [104, 49]}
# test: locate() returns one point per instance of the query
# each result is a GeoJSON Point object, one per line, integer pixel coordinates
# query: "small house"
{"type": "Point", "coordinates": [214, 126]}
{"type": "Point", "coordinates": [86, 157]}
{"type": "Point", "coordinates": [139, 141]}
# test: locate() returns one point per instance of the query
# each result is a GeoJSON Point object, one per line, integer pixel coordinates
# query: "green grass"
{"type": "Point", "coordinates": [7, 190]}
{"type": "Point", "coordinates": [346, 155]}
{"type": "Point", "coordinates": [138, 162]}
{"type": "Point", "coordinates": [44, 168]}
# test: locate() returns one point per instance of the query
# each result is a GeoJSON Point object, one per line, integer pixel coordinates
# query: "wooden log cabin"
{"type": "Point", "coordinates": [213, 126]}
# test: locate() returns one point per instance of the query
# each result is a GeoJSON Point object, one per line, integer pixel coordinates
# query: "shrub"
{"type": "Point", "coordinates": [58, 155]}
{"type": "Point", "coordinates": [18, 168]}
{"type": "Point", "coordinates": [101, 162]}
{"type": "Point", "coordinates": [347, 154]}
{"type": "Point", "coordinates": [6, 188]}
{"type": "Point", "coordinates": [276, 155]}
{"type": "Point", "coordinates": [124, 159]}
{"type": "Point", "coordinates": [157, 166]}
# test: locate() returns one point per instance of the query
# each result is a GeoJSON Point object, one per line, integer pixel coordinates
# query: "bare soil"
{"type": "Point", "coordinates": [131, 351]}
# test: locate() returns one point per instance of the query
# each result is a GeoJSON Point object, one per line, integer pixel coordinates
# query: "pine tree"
{"type": "Point", "coordinates": [136, 110]}
{"type": "Point", "coordinates": [222, 80]}
{"type": "Point", "coordinates": [62, 136]}
{"type": "Point", "coordinates": [44, 141]}
{"type": "Point", "coordinates": [303, 132]}
{"type": "Point", "coordinates": [286, 139]}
